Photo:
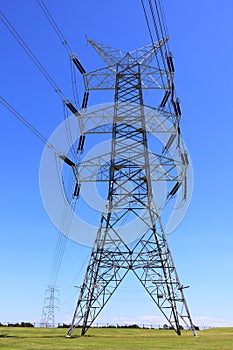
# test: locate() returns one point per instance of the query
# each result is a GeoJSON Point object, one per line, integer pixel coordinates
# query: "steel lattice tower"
{"type": "Point", "coordinates": [149, 257]}
{"type": "Point", "coordinates": [50, 305]}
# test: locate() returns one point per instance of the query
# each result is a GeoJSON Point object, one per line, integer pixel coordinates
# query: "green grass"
{"type": "Point", "coordinates": [116, 339]}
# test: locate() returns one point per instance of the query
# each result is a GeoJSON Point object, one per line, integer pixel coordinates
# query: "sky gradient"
{"type": "Point", "coordinates": [201, 41]}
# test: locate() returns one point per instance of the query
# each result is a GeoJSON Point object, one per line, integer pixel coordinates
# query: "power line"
{"type": "Point", "coordinates": [54, 25]}
{"type": "Point", "coordinates": [27, 124]}
{"type": "Point", "coordinates": [29, 52]}
{"type": "Point", "coordinates": [156, 29]}
{"type": "Point", "coordinates": [147, 21]}
{"type": "Point", "coordinates": [163, 23]}
{"type": "Point", "coordinates": [151, 36]}
{"type": "Point", "coordinates": [156, 25]}
{"type": "Point", "coordinates": [65, 43]}
{"type": "Point", "coordinates": [67, 217]}
{"type": "Point", "coordinates": [60, 248]}
{"type": "Point", "coordinates": [47, 76]}
{"type": "Point", "coordinates": [74, 63]}
{"type": "Point", "coordinates": [65, 225]}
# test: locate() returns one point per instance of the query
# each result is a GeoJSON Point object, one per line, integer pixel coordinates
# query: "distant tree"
{"type": "Point", "coordinates": [22, 324]}
{"type": "Point", "coordinates": [63, 325]}
{"type": "Point", "coordinates": [133, 326]}
{"type": "Point", "coordinates": [26, 324]}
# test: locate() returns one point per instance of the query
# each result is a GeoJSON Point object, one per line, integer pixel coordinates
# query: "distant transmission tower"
{"type": "Point", "coordinates": [51, 301]}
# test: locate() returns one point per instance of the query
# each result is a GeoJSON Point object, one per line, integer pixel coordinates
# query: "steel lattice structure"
{"type": "Point", "coordinates": [50, 305]}
{"type": "Point", "coordinates": [131, 162]}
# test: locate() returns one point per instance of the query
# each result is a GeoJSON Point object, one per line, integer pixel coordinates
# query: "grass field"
{"type": "Point", "coordinates": [117, 339]}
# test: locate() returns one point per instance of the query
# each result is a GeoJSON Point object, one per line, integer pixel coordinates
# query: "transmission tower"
{"type": "Point", "coordinates": [131, 162]}
{"type": "Point", "coordinates": [50, 305]}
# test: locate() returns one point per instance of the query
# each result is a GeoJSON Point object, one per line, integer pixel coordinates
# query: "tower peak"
{"type": "Point", "coordinates": [112, 56]}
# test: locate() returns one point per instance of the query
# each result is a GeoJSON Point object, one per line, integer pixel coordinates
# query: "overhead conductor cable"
{"type": "Point", "coordinates": [61, 245]}
{"type": "Point", "coordinates": [35, 131]}
{"type": "Point", "coordinates": [54, 25]}
{"type": "Point", "coordinates": [29, 52]}
{"type": "Point", "coordinates": [64, 42]}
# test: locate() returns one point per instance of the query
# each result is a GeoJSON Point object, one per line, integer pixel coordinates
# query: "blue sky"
{"type": "Point", "coordinates": [201, 42]}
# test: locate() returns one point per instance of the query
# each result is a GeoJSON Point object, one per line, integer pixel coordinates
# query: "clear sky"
{"type": "Point", "coordinates": [201, 41]}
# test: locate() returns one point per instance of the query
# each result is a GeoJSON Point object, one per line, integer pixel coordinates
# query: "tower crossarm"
{"type": "Point", "coordinates": [152, 78]}
{"type": "Point", "coordinates": [100, 120]}
{"type": "Point", "coordinates": [145, 54]}
{"type": "Point", "coordinates": [161, 168]}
